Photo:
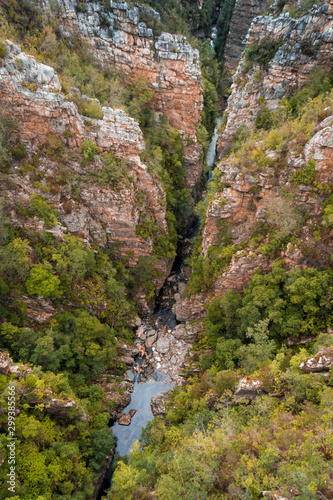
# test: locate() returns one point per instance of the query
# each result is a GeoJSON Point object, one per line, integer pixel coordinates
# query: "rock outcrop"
{"type": "Point", "coordinates": [245, 203]}
{"type": "Point", "coordinates": [244, 13]}
{"type": "Point", "coordinates": [45, 400]}
{"type": "Point", "coordinates": [303, 44]}
{"type": "Point", "coordinates": [248, 389]}
{"type": "Point", "coordinates": [103, 214]}
{"type": "Point", "coordinates": [118, 37]}
{"type": "Point", "coordinates": [322, 361]}
{"type": "Point", "coordinates": [158, 405]}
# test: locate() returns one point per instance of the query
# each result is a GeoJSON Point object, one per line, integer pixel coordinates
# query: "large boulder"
{"type": "Point", "coordinates": [157, 404]}
{"type": "Point", "coordinates": [163, 345]}
{"type": "Point", "coordinates": [5, 363]}
{"type": "Point", "coordinates": [124, 419]}
{"type": "Point", "coordinates": [322, 361]}
{"type": "Point", "coordinates": [248, 388]}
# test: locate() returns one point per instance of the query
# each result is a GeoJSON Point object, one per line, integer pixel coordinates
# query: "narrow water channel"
{"type": "Point", "coordinates": [211, 152]}
{"type": "Point", "coordinates": [149, 380]}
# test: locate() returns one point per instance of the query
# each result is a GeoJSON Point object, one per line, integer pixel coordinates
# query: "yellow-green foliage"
{"type": "Point", "coordinates": [290, 134]}
{"type": "Point", "coordinates": [238, 451]}
{"type": "Point", "coordinates": [3, 50]}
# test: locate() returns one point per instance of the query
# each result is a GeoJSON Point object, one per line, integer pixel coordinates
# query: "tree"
{"type": "Point", "coordinates": [119, 308]}
{"type": "Point", "coordinates": [14, 258]}
{"type": "Point", "coordinates": [4, 222]}
{"type": "Point", "coordinates": [43, 283]}
{"type": "Point", "coordinates": [256, 354]}
{"type": "Point", "coordinates": [102, 442]}
{"type": "Point", "coordinates": [140, 94]}
{"type": "Point", "coordinates": [74, 260]}
{"type": "Point", "coordinates": [282, 213]}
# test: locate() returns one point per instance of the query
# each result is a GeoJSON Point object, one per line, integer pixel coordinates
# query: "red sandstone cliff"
{"type": "Point", "coordinates": [251, 187]}
{"type": "Point", "coordinates": [244, 13]}
{"type": "Point", "coordinates": [167, 61]}
{"type": "Point", "coordinates": [102, 214]}
{"type": "Point", "coordinates": [306, 43]}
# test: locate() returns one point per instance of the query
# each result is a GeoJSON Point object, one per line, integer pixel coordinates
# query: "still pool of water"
{"type": "Point", "coordinates": [141, 397]}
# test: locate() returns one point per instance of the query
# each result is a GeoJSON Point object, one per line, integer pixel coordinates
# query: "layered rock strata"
{"type": "Point", "coordinates": [103, 214]}
{"type": "Point", "coordinates": [305, 44]}
{"type": "Point", "coordinates": [118, 37]}
{"type": "Point", "coordinates": [243, 204]}
{"type": "Point", "coordinates": [244, 13]}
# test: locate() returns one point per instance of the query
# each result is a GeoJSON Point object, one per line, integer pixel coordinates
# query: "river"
{"type": "Point", "coordinates": [149, 381]}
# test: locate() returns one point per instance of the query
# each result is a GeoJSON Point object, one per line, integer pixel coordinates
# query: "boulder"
{"type": "Point", "coordinates": [163, 345]}
{"type": "Point", "coordinates": [322, 361]}
{"type": "Point", "coordinates": [150, 333]}
{"type": "Point", "coordinates": [132, 413]}
{"type": "Point", "coordinates": [128, 350]}
{"type": "Point", "coordinates": [189, 309]}
{"type": "Point", "coordinates": [124, 419]}
{"type": "Point", "coordinates": [134, 322]}
{"type": "Point", "coordinates": [182, 289]}
{"type": "Point", "coordinates": [5, 363]}
{"type": "Point", "coordinates": [248, 388]}
{"type": "Point", "coordinates": [150, 341]}
{"type": "Point", "coordinates": [157, 404]}
{"type": "Point", "coordinates": [128, 360]}
{"type": "Point", "coordinates": [179, 332]}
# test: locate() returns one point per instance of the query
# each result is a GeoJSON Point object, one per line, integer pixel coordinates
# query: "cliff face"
{"type": "Point", "coordinates": [244, 13]}
{"type": "Point", "coordinates": [54, 132]}
{"type": "Point", "coordinates": [262, 179]}
{"type": "Point", "coordinates": [118, 37]}
{"type": "Point", "coordinates": [243, 205]}
{"type": "Point", "coordinates": [305, 43]}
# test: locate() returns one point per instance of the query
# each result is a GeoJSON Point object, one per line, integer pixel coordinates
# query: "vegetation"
{"type": "Point", "coordinates": [262, 53]}
{"type": "Point", "coordinates": [210, 444]}
{"type": "Point", "coordinates": [212, 447]}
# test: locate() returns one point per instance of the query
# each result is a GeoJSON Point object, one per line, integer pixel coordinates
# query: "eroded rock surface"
{"type": "Point", "coordinates": [104, 214]}
{"type": "Point", "coordinates": [168, 62]}
{"type": "Point", "coordinates": [306, 43]}
{"type": "Point", "coordinates": [322, 361]}
{"type": "Point", "coordinates": [248, 388]}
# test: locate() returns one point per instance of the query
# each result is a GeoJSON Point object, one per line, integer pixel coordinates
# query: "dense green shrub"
{"type": "Point", "coordinates": [114, 170]}
{"type": "Point", "coordinates": [8, 128]}
{"type": "Point", "coordinates": [19, 152]}
{"type": "Point", "coordinates": [226, 380]}
{"type": "Point", "coordinates": [319, 82]}
{"type": "Point", "coordinates": [328, 211]}
{"type": "Point", "coordinates": [223, 25]}
{"type": "Point", "coordinates": [3, 50]}
{"type": "Point", "coordinates": [84, 353]}
{"type": "Point", "coordinates": [89, 149]}
{"type": "Point", "coordinates": [91, 109]}
{"type": "Point", "coordinates": [262, 53]}
{"type": "Point", "coordinates": [14, 259]}
{"type": "Point", "coordinates": [240, 136]}
{"type": "Point", "coordinates": [42, 282]}
{"type": "Point", "coordinates": [42, 209]}
{"type": "Point", "coordinates": [306, 175]}
{"type": "Point", "coordinates": [295, 303]}
{"type": "Point", "coordinates": [264, 118]}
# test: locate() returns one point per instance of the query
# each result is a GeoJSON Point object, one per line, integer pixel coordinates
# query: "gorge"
{"type": "Point", "coordinates": [165, 272]}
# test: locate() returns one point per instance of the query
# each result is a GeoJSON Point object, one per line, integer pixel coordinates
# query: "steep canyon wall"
{"type": "Point", "coordinates": [118, 37]}
{"type": "Point", "coordinates": [54, 132]}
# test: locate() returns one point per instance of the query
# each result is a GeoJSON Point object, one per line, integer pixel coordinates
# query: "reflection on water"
{"type": "Point", "coordinates": [141, 397]}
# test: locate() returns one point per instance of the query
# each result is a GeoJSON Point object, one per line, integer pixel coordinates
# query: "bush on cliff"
{"type": "Point", "coordinates": [262, 53]}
